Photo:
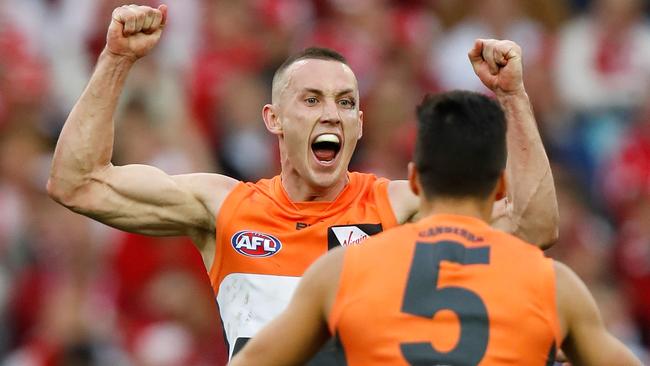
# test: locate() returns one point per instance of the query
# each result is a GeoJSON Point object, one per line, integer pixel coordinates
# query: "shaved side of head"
{"type": "Point", "coordinates": [280, 79]}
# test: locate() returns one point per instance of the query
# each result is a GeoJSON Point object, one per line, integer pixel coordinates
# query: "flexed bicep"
{"type": "Point", "coordinates": [136, 198]}
{"type": "Point", "coordinates": [144, 199]}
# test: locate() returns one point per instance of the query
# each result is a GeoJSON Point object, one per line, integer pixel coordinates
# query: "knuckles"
{"type": "Point", "coordinates": [134, 13]}
{"type": "Point", "coordinates": [500, 46]}
{"type": "Point", "coordinates": [136, 19]}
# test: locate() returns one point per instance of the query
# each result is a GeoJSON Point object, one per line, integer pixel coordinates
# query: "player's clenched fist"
{"type": "Point", "coordinates": [135, 30]}
{"type": "Point", "coordinates": [498, 64]}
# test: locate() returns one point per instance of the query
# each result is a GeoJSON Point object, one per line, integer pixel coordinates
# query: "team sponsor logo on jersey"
{"type": "Point", "coordinates": [255, 244]}
{"type": "Point", "coordinates": [345, 235]}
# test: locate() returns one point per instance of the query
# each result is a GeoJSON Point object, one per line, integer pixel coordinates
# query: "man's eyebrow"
{"type": "Point", "coordinates": [320, 92]}
{"type": "Point", "coordinates": [345, 91]}
{"type": "Point", "coordinates": [313, 91]}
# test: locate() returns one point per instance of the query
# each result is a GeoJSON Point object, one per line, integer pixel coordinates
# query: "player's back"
{"type": "Point", "coordinates": [448, 290]}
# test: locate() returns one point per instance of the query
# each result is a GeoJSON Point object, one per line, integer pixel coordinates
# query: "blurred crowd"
{"type": "Point", "coordinates": [74, 292]}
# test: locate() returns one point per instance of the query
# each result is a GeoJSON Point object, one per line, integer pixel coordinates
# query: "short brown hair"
{"type": "Point", "coordinates": [318, 53]}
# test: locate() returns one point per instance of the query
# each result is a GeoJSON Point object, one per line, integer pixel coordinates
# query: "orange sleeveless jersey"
{"type": "Point", "coordinates": [448, 290]}
{"type": "Point", "coordinates": [265, 242]}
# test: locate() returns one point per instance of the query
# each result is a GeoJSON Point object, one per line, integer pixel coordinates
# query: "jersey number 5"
{"type": "Point", "coordinates": [424, 298]}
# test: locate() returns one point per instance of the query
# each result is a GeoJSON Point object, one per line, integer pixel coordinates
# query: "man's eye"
{"type": "Point", "coordinates": [346, 103]}
{"type": "Point", "coordinates": [311, 100]}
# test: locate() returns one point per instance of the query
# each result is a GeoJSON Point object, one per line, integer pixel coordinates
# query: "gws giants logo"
{"type": "Point", "coordinates": [254, 244]}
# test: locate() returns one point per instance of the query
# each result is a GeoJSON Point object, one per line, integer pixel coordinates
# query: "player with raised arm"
{"type": "Point", "coordinates": [449, 289]}
{"type": "Point", "coordinates": [257, 239]}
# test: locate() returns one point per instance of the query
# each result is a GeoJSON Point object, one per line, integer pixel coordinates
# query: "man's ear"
{"type": "Point", "coordinates": [360, 125]}
{"type": "Point", "coordinates": [501, 188]}
{"type": "Point", "coordinates": [271, 120]}
{"type": "Point", "coordinates": [414, 179]}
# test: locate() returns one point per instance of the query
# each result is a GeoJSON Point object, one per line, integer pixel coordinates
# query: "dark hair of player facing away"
{"type": "Point", "coordinates": [460, 150]}
{"type": "Point", "coordinates": [319, 53]}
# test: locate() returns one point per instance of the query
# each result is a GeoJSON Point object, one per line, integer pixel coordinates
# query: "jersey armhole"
{"type": "Point", "coordinates": [550, 288]}
{"type": "Point", "coordinates": [228, 207]}
{"type": "Point", "coordinates": [346, 279]}
{"type": "Point", "coordinates": [384, 207]}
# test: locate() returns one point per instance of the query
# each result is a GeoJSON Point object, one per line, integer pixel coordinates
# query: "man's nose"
{"type": "Point", "coordinates": [330, 112]}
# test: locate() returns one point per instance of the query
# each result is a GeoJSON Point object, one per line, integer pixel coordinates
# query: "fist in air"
{"type": "Point", "coordinates": [498, 64]}
{"type": "Point", "coordinates": [135, 30]}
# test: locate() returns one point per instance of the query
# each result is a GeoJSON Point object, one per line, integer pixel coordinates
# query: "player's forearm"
{"type": "Point", "coordinates": [531, 191]}
{"type": "Point", "coordinates": [86, 141]}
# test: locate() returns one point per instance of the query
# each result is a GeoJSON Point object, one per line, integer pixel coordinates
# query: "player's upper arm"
{"type": "Point", "coordinates": [302, 326]}
{"type": "Point", "coordinates": [587, 341]}
{"type": "Point", "coordinates": [404, 202]}
{"type": "Point", "coordinates": [144, 199]}
{"type": "Point", "coordinates": [535, 221]}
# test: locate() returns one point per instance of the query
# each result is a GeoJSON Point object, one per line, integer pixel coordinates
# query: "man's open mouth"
{"type": "Point", "coordinates": [326, 147]}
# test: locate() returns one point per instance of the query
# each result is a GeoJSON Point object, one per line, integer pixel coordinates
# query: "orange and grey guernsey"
{"type": "Point", "coordinates": [457, 292]}
{"type": "Point", "coordinates": [265, 242]}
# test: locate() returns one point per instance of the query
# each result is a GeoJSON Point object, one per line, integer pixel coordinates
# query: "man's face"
{"type": "Point", "coordinates": [319, 114]}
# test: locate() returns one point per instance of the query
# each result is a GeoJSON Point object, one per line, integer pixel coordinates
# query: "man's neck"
{"type": "Point", "coordinates": [299, 190]}
{"type": "Point", "coordinates": [480, 209]}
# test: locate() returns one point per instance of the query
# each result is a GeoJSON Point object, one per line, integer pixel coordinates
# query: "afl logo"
{"type": "Point", "coordinates": [254, 244]}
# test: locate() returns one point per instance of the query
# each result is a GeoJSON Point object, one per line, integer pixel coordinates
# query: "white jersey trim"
{"type": "Point", "coordinates": [247, 302]}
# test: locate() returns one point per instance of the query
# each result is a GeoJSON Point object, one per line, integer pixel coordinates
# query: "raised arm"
{"type": "Point", "coordinates": [586, 340]}
{"type": "Point", "coordinates": [530, 211]}
{"type": "Point", "coordinates": [135, 198]}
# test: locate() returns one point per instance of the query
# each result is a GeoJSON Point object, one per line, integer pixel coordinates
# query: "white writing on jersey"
{"type": "Point", "coordinates": [349, 235]}
{"type": "Point", "coordinates": [254, 242]}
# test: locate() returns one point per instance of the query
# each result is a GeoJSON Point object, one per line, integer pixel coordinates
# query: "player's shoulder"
{"type": "Point", "coordinates": [263, 192]}
{"type": "Point", "coordinates": [572, 295]}
{"type": "Point", "coordinates": [269, 187]}
{"type": "Point", "coordinates": [207, 186]}
{"type": "Point", "coordinates": [510, 240]}
{"type": "Point", "coordinates": [263, 183]}
{"type": "Point", "coordinates": [359, 176]}
{"type": "Point", "coordinates": [565, 276]}
{"type": "Point", "coordinates": [366, 181]}
{"type": "Point", "coordinates": [368, 186]}
{"type": "Point", "coordinates": [519, 256]}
